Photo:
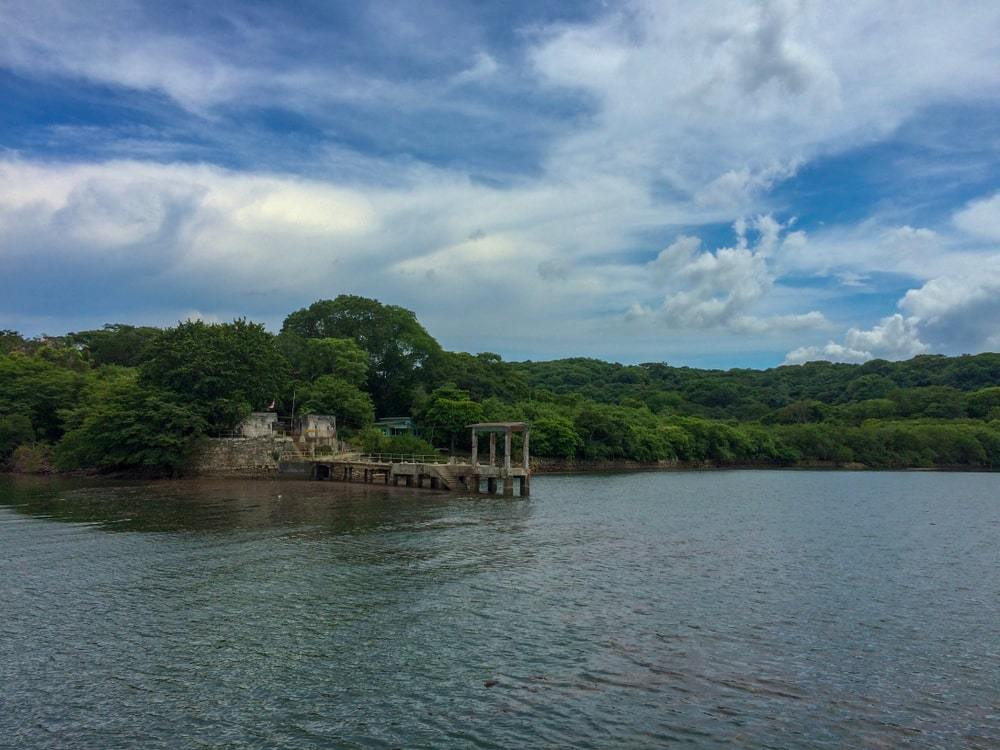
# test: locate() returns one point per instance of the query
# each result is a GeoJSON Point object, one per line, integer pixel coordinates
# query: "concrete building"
{"type": "Point", "coordinates": [258, 424]}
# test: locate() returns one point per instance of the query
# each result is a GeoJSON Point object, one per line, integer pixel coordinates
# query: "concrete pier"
{"type": "Point", "coordinates": [418, 472]}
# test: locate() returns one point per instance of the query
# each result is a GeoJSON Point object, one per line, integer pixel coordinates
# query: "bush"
{"type": "Point", "coordinates": [32, 459]}
{"type": "Point", "coordinates": [15, 429]}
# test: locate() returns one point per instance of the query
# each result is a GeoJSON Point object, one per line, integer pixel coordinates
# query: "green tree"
{"type": "Point", "coordinates": [39, 389]}
{"type": "Point", "coordinates": [124, 426]}
{"type": "Point", "coordinates": [448, 412]}
{"type": "Point", "coordinates": [799, 412]}
{"type": "Point", "coordinates": [10, 341]}
{"type": "Point", "coordinates": [115, 343]}
{"type": "Point", "coordinates": [225, 370]}
{"type": "Point", "coordinates": [984, 403]}
{"type": "Point", "coordinates": [342, 358]}
{"type": "Point", "coordinates": [554, 436]}
{"type": "Point", "coordinates": [401, 353]}
{"type": "Point", "coordinates": [331, 395]}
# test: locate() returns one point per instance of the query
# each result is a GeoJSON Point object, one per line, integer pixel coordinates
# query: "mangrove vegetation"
{"type": "Point", "coordinates": [141, 399]}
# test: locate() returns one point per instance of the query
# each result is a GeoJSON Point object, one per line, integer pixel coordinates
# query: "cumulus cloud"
{"type": "Point", "coordinates": [981, 217]}
{"type": "Point", "coordinates": [959, 314]}
{"type": "Point", "coordinates": [645, 122]}
{"type": "Point", "coordinates": [951, 314]}
{"type": "Point", "coordinates": [895, 337]}
{"type": "Point", "coordinates": [719, 289]}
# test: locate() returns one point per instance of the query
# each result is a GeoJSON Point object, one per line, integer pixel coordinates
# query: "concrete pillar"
{"type": "Point", "coordinates": [508, 486]}
{"type": "Point", "coordinates": [474, 484]}
{"type": "Point", "coordinates": [506, 450]}
{"type": "Point", "coordinates": [475, 446]}
{"type": "Point", "coordinates": [527, 456]}
{"type": "Point", "coordinates": [491, 485]}
{"type": "Point", "coordinates": [493, 449]}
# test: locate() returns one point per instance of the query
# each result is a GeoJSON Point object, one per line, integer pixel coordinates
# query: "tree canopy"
{"type": "Point", "coordinates": [400, 351]}
{"type": "Point", "coordinates": [129, 398]}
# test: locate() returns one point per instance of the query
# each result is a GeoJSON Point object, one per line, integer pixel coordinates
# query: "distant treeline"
{"type": "Point", "coordinates": [140, 399]}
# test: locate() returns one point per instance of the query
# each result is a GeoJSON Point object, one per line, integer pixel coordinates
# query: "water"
{"type": "Point", "coordinates": [757, 609]}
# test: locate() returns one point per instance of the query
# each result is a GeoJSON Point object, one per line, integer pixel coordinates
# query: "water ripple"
{"type": "Point", "coordinates": [768, 609]}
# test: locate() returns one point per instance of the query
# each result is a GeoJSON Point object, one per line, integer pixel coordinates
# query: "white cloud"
{"type": "Point", "coordinates": [959, 314]}
{"type": "Point", "coordinates": [697, 111]}
{"type": "Point", "coordinates": [720, 288]}
{"type": "Point", "coordinates": [981, 217]}
{"type": "Point", "coordinates": [483, 67]}
{"type": "Point", "coordinates": [895, 337]}
{"type": "Point", "coordinates": [722, 98]}
{"type": "Point", "coordinates": [951, 314]}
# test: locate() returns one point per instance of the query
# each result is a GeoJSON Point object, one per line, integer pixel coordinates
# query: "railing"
{"type": "Point", "coordinates": [401, 458]}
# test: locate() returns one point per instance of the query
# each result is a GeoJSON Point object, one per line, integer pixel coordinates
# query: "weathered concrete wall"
{"type": "Point", "coordinates": [258, 424]}
{"type": "Point", "coordinates": [319, 427]}
{"type": "Point", "coordinates": [244, 457]}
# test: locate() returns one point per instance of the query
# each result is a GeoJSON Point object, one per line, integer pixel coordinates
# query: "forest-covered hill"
{"type": "Point", "coordinates": [128, 398]}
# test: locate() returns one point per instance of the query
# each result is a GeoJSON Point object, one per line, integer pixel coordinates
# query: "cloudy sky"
{"type": "Point", "coordinates": [709, 183]}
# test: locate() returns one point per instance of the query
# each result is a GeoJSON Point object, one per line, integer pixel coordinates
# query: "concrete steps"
{"type": "Point", "coordinates": [450, 475]}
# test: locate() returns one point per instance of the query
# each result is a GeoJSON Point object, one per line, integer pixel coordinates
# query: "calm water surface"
{"type": "Point", "coordinates": [761, 609]}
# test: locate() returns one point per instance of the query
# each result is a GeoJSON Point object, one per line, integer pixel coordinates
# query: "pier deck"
{"type": "Point", "coordinates": [460, 477]}
{"type": "Point", "coordinates": [425, 472]}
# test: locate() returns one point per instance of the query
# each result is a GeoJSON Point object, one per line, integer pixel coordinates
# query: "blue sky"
{"type": "Point", "coordinates": [715, 183]}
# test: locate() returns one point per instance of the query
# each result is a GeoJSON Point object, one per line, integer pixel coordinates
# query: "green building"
{"type": "Point", "coordinates": [392, 426]}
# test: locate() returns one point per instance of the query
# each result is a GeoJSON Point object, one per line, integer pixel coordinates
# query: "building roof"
{"type": "Point", "coordinates": [499, 426]}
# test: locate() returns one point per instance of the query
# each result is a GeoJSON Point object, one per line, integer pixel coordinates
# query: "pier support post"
{"type": "Point", "coordinates": [508, 486]}
{"type": "Point", "coordinates": [493, 449]}
{"type": "Point", "coordinates": [525, 485]}
{"type": "Point", "coordinates": [491, 485]}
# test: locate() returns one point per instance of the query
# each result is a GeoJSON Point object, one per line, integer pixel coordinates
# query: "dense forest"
{"type": "Point", "coordinates": [141, 399]}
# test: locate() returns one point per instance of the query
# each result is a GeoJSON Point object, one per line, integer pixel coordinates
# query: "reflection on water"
{"type": "Point", "coordinates": [762, 609]}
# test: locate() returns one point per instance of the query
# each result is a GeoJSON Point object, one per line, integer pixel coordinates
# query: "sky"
{"type": "Point", "coordinates": [712, 183]}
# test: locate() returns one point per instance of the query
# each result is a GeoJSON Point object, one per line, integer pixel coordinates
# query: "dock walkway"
{"type": "Point", "coordinates": [429, 471]}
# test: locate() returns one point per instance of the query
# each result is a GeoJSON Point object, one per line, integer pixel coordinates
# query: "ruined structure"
{"type": "Point", "coordinates": [430, 471]}
{"type": "Point", "coordinates": [258, 424]}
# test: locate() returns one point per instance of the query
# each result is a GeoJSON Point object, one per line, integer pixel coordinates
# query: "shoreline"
{"type": "Point", "coordinates": [543, 467]}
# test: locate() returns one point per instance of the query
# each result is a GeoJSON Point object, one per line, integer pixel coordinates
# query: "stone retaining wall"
{"type": "Point", "coordinates": [570, 465]}
{"type": "Point", "coordinates": [244, 457]}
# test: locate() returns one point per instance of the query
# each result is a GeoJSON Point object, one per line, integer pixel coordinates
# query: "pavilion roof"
{"type": "Point", "coordinates": [499, 426]}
